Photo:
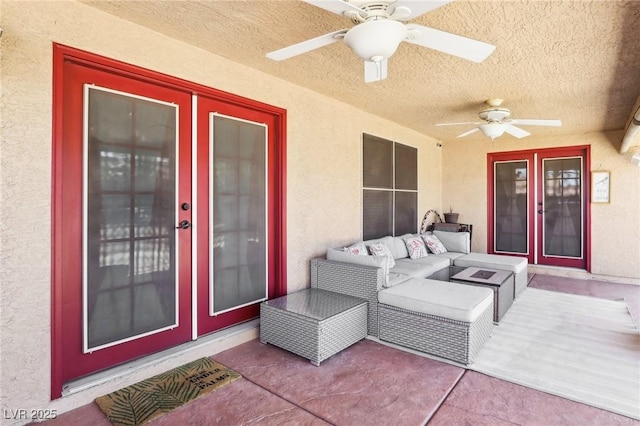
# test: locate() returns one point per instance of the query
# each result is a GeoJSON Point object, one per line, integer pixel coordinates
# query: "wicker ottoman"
{"type": "Point", "coordinates": [517, 265]}
{"type": "Point", "coordinates": [444, 319]}
{"type": "Point", "coordinates": [312, 323]}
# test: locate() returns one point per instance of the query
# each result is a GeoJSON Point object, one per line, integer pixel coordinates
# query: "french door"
{"type": "Point", "coordinates": [538, 206]}
{"type": "Point", "coordinates": [168, 220]}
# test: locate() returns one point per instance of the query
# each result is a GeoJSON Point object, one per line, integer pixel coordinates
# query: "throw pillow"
{"type": "Point", "coordinates": [379, 249]}
{"type": "Point", "coordinates": [415, 247]}
{"type": "Point", "coordinates": [357, 248]}
{"type": "Point", "coordinates": [434, 244]}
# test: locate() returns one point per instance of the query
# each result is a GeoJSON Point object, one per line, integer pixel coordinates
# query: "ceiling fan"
{"type": "Point", "coordinates": [378, 32]}
{"type": "Point", "coordinates": [496, 121]}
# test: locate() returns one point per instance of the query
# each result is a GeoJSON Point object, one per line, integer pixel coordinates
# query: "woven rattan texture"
{"type": "Point", "coordinates": [455, 340]}
{"type": "Point", "coordinates": [353, 280]}
{"type": "Point", "coordinates": [312, 338]}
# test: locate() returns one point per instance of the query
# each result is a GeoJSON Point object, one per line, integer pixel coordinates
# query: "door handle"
{"type": "Point", "coordinates": [541, 211]}
{"type": "Point", "coordinates": [185, 224]}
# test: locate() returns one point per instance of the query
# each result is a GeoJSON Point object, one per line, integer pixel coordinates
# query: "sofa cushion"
{"type": "Point", "coordinates": [375, 261]}
{"type": "Point", "coordinates": [357, 248]}
{"type": "Point", "coordinates": [450, 255]}
{"type": "Point", "coordinates": [455, 241]}
{"type": "Point", "coordinates": [419, 268]}
{"type": "Point", "coordinates": [434, 244]}
{"type": "Point", "coordinates": [415, 247]}
{"type": "Point", "coordinates": [492, 261]}
{"type": "Point", "coordinates": [455, 301]}
{"type": "Point", "coordinates": [387, 241]}
{"type": "Point", "coordinates": [396, 278]}
{"type": "Point", "coordinates": [398, 247]}
{"type": "Point", "coordinates": [381, 249]}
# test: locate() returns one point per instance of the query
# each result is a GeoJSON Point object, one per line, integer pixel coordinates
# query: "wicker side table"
{"type": "Point", "coordinates": [312, 323]}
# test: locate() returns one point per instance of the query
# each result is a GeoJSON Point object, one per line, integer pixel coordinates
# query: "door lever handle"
{"type": "Point", "coordinates": [541, 211]}
{"type": "Point", "coordinates": [185, 224]}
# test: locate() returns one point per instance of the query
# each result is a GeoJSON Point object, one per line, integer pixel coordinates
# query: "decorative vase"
{"type": "Point", "coordinates": [451, 217]}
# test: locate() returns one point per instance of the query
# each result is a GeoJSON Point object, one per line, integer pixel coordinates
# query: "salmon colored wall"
{"type": "Point", "coordinates": [615, 227]}
{"type": "Point", "coordinates": [324, 150]}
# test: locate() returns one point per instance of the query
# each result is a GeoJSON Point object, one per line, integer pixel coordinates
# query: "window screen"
{"type": "Point", "coordinates": [377, 158]}
{"type": "Point", "coordinates": [390, 188]}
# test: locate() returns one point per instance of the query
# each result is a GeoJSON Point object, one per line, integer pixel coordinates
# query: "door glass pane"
{"type": "Point", "coordinates": [511, 198]}
{"type": "Point", "coordinates": [129, 234]}
{"type": "Point", "coordinates": [563, 207]}
{"type": "Point", "coordinates": [239, 213]}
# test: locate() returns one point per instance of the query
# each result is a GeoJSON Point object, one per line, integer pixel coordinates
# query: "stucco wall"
{"type": "Point", "coordinates": [615, 227]}
{"type": "Point", "coordinates": [323, 173]}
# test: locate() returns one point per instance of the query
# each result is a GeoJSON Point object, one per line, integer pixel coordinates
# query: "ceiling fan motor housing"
{"type": "Point", "coordinates": [495, 115]}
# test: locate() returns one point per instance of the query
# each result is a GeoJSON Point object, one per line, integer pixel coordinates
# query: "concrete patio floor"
{"type": "Point", "coordinates": [371, 383]}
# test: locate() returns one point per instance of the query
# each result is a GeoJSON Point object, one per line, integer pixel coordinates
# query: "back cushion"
{"type": "Point", "coordinates": [455, 241]}
{"type": "Point", "coordinates": [399, 249]}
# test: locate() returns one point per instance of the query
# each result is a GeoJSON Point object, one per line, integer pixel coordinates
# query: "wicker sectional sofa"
{"type": "Point", "coordinates": [407, 308]}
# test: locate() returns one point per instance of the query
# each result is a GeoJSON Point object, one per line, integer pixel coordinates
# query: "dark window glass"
{"type": "Point", "coordinates": [130, 218]}
{"type": "Point", "coordinates": [377, 216]}
{"type": "Point", "coordinates": [406, 204]}
{"type": "Point", "coordinates": [390, 167]}
{"type": "Point", "coordinates": [563, 207]}
{"type": "Point", "coordinates": [406, 167]}
{"type": "Point", "coordinates": [377, 161]}
{"type": "Point", "coordinates": [511, 196]}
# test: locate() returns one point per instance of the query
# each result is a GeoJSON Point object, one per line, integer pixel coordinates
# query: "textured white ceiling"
{"type": "Point", "coordinates": [573, 60]}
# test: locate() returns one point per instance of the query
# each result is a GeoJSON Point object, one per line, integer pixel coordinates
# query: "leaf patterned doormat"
{"type": "Point", "coordinates": [153, 397]}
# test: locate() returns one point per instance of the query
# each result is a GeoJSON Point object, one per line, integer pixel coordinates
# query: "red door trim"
{"type": "Point", "coordinates": [571, 151]}
{"type": "Point", "coordinates": [529, 154]}
{"type": "Point", "coordinates": [509, 156]}
{"type": "Point", "coordinates": [61, 54]}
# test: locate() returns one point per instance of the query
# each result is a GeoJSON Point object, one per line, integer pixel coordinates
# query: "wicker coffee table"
{"type": "Point", "coordinates": [314, 324]}
{"type": "Point", "coordinates": [501, 282]}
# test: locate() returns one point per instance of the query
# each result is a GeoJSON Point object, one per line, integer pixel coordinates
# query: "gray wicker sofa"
{"type": "Point", "coordinates": [405, 307]}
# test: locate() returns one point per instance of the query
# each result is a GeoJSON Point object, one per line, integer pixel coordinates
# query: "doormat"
{"type": "Point", "coordinates": [151, 398]}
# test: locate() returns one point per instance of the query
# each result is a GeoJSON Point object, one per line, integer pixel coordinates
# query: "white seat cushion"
{"type": "Point", "coordinates": [440, 298]}
{"type": "Point", "coordinates": [419, 268]}
{"type": "Point", "coordinates": [492, 261]}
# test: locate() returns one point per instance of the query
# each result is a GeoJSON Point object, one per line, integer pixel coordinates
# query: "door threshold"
{"type": "Point", "coordinates": [582, 274]}
{"type": "Point", "coordinates": [162, 361]}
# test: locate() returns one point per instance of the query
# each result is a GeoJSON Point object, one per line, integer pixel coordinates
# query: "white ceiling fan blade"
{"type": "Point", "coordinates": [457, 124]}
{"type": "Point", "coordinates": [339, 7]}
{"type": "Point", "coordinates": [305, 46]}
{"type": "Point", "coordinates": [467, 133]}
{"type": "Point", "coordinates": [375, 71]}
{"type": "Point", "coordinates": [415, 8]}
{"type": "Point", "coordinates": [516, 131]}
{"type": "Point", "coordinates": [533, 122]}
{"type": "Point", "coordinates": [463, 47]}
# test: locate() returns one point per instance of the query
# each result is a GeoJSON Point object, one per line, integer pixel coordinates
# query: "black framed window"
{"type": "Point", "coordinates": [389, 187]}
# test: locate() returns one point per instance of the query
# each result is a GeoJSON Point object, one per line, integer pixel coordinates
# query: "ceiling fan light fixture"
{"type": "Point", "coordinates": [375, 40]}
{"type": "Point", "coordinates": [492, 130]}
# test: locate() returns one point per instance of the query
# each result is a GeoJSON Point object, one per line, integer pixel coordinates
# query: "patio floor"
{"type": "Point", "coordinates": [371, 383]}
